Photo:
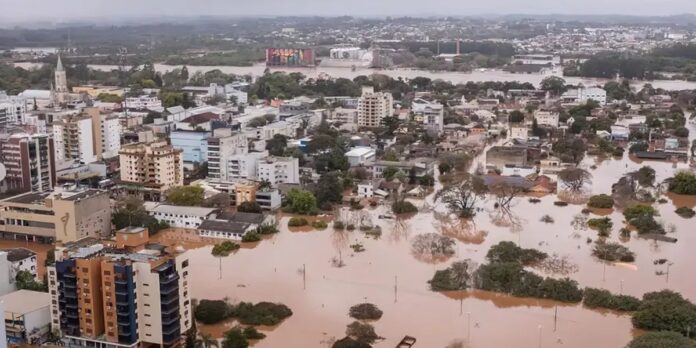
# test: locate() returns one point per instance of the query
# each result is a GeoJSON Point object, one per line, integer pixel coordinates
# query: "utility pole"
{"type": "Point", "coordinates": [540, 328]}
{"type": "Point", "coordinates": [304, 277]}
{"type": "Point", "coordinates": [555, 319]}
{"type": "Point", "coordinates": [396, 280]}
{"type": "Point", "coordinates": [468, 327]}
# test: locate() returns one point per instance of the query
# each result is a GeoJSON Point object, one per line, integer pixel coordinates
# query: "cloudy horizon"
{"type": "Point", "coordinates": [28, 11]}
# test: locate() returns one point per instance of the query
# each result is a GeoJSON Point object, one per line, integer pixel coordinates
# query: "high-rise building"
{"type": "Point", "coordinates": [373, 107]}
{"type": "Point", "coordinates": [64, 216]}
{"type": "Point", "coordinates": [279, 170]}
{"type": "Point", "coordinates": [74, 138]}
{"type": "Point", "coordinates": [125, 294]}
{"type": "Point", "coordinates": [29, 162]}
{"type": "Point", "coordinates": [106, 133]}
{"type": "Point", "coordinates": [222, 146]}
{"type": "Point", "coordinates": [13, 109]}
{"type": "Point", "coordinates": [156, 165]}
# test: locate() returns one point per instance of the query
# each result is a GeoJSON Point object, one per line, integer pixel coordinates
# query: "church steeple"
{"type": "Point", "coordinates": [59, 65]}
{"type": "Point", "coordinates": [60, 83]}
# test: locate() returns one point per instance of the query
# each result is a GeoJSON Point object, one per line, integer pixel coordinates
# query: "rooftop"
{"type": "Point", "coordinates": [224, 226]}
{"type": "Point", "coordinates": [23, 302]}
{"type": "Point", "coordinates": [178, 210]}
{"type": "Point", "coordinates": [18, 254]}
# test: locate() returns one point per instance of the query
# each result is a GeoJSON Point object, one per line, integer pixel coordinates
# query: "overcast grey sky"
{"type": "Point", "coordinates": [65, 10]}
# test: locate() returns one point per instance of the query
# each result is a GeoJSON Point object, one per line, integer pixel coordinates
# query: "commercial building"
{"type": "Point", "coordinates": [249, 191]}
{"type": "Point", "coordinates": [360, 156]}
{"type": "Point", "coordinates": [344, 115]}
{"type": "Point", "coordinates": [29, 161]}
{"type": "Point", "coordinates": [547, 118]}
{"type": "Point", "coordinates": [243, 166]}
{"type": "Point", "coordinates": [27, 316]}
{"type": "Point", "coordinates": [279, 170]}
{"type": "Point", "coordinates": [373, 107]}
{"type": "Point", "coordinates": [194, 146]}
{"type": "Point", "coordinates": [143, 102]}
{"type": "Point", "coordinates": [178, 216]}
{"type": "Point", "coordinates": [63, 216]}
{"type": "Point", "coordinates": [157, 165]}
{"type": "Point", "coordinates": [582, 95]}
{"type": "Point", "coordinates": [125, 295]}
{"type": "Point", "coordinates": [234, 226]}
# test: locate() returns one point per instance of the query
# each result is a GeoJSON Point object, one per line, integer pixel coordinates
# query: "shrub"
{"type": "Point", "coordinates": [211, 311]}
{"type": "Point", "coordinates": [665, 311]}
{"type": "Point", "coordinates": [456, 277]}
{"type": "Point", "coordinates": [683, 183]}
{"type": "Point", "coordinates": [547, 219]}
{"type": "Point", "coordinates": [365, 311]}
{"type": "Point", "coordinates": [338, 225]}
{"type": "Point", "coordinates": [612, 252]}
{"type": "Point", "coordinates": [638, 147]}
{"type": "Point", "coordinates": [603, 225]}
{"type": "Point", "coordinates": [262, 313]}
{"type": "Point", "coordinates": [234, 338]}
{"type": "Point", "coordinates": [348, 342]}
{"type": "Point", "coordinates": [638, 211]}
{"type": "Point", "coordinates": [534, 200]}
{"type": "Point", "coordinates": [224, 248]}
{"type": "Point", "coordinates": [685, 212]}
{"type": "Point", "coordinates": [251, 237]}
{"type": "Point", "coordinates": [297, 222]}
{"type": "Point", "coordinates": [510, 252]}
{"type": "Point", "coordinates": [560, 203]}
{"type": "Point", "coordinates": [350, 227]}
{"type": "Point", "coordinates": [600, 298]}
{"type": "Point", "coordinates": [251, 333]}
{"type": "Point", "coordinates": [249, 207]}
{"type": "Point", "coordinates": [319, 224]}
{"type": "Point", "coordinates": [265, 229]}
{"type": "Point", "coordinates": [361, 332]}
{"type": "Point", "coordinates": [664, 339]}
{"type": "Point", "coordinates": [618, 152]}
{"type": "Point", "coordinates": [357, 247]}
{"type": "Point", "coordinates": [601, 201]}
{"type": "Point", "coordinates": [511, 278]}
{"type": "Point", "coordinates": [403, 207]}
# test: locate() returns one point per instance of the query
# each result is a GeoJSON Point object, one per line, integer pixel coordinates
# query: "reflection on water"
{"type": "Point", "coordinates": [387, 274]}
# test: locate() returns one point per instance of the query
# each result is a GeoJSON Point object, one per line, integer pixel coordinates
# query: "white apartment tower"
{"type": "Point", "coordinates": [74, 139]}
{"type": "Point", "coordinates": [373, 107]}
{"type": "Point", "coordinates": [279, 170]}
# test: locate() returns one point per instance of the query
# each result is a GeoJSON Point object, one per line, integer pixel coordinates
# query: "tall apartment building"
{"type": "Point", "coordinates": [106, 130]}
{"type": "Point", "coordinates": [373, 107]}
{"type": "Point", "coordinates": [29, 161]}
{"type": "Point", "coordinates": [432, 116]}
{"type": "Point", "coordinates": [63, 216]}
{"type": "Point", "coordinates": [221, 147]}
{"type": "Point", "coordinates": [13, 109]}
{"type": "Point", "coordinates": [279, 170]}
{"type": "Point", "coordinates": [74, 138]}
{"type": "Point", "coordinates": [156, 165]}
{"type": "Point", "coordinates": [121, 295]}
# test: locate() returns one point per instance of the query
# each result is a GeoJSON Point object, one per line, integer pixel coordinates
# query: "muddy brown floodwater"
{"type": "Point", "coordinates": [389, 275]}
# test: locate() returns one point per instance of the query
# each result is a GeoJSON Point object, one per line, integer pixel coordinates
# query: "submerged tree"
{"type": "Point", "coordinates": [461, 198]}
{"type": "Point", "coordinates": [575, 179]}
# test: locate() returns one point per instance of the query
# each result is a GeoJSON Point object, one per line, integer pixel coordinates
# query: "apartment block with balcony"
{"type": "Point", "coordinates": [29, 161]}
{"type": "Point", "coordinates": [373, 107]}
{"type": "Point", "coordinates": [74, 138]}
{"type": "Point", "coordinates": [155, 166]}
{"type": "Point", "coordinates": [122, 295]}
{"type": "Point", "coordinates": [279, 170]}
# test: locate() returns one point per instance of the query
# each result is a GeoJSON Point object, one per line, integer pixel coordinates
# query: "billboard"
{"type": "Point", "coordinates": [289, 57]}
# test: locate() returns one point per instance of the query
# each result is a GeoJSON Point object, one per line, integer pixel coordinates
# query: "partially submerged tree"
{"type": "Point", "coordinates": [432, 246]}
{"type": "Point", "coordinates": [461, 197]}
{"type": "Point", "coordinates": [458, 276]}
{"type": "Point", "coordinates": [575, 179]}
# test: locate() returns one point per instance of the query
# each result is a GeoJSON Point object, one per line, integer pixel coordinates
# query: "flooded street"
{"type": "Point", "coordinates": [454, 77]}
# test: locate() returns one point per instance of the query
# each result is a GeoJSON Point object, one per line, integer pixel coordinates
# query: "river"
{"type": "Point", "coordinates": [454, 77]}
